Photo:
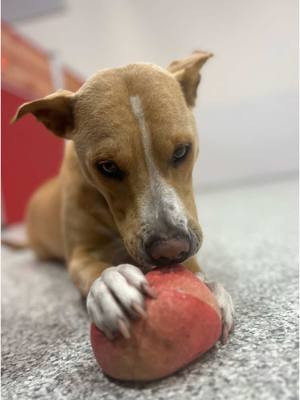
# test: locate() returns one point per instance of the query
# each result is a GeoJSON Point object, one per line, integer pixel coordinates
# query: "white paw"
{"type": "Point", "coordinates": [226, 306]}
{"type": "Point", "coordinates": [115, 297]}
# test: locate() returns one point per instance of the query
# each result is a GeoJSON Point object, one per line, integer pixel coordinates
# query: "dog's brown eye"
{"type": "Point", "coordinates": [180, 153]}
{"type": "Point", "coordinates": [109, 169]}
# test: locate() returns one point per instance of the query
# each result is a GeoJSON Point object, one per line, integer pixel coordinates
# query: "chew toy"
{"type": "Point", "coordinates": [182, 323]}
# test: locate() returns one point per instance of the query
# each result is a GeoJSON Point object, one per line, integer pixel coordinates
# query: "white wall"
{"type": "Point", "coordinates": [247, 111]}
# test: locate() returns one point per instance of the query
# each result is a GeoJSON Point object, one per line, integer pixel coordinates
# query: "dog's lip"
{"type": "Point", "coordinates": [165, 266]}
{"type": "Point", "coordinates": [151, 265]}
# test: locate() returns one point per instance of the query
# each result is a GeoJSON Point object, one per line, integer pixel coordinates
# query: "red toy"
{"type": "Point", "coordinates": [183, 322]}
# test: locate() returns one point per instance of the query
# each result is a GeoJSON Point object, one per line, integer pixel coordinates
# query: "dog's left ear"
{"type": "Point", "coordinates": [187, 73]}
{"type": "Point", "coordinates": [54, 111]}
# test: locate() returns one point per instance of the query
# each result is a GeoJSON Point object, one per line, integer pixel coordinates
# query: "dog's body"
{"type": "Point", "coordinates": [123, 201]}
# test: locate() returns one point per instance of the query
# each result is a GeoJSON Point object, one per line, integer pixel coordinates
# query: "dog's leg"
{"type": "Point", "coordinates": [84, 270]}
{"type": "Point", "coordinates": [225, 303]}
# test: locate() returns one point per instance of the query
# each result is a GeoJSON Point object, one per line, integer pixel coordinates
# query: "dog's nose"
{"type": "Point", "coordinates": [167, 252]}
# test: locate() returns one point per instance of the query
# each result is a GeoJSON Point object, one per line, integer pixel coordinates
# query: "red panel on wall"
{"type": "Point", "coordinates": [30, 155]}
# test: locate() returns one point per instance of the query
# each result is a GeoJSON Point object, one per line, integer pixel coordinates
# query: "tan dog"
{"type": "Point", "coordinates": [123, 201]}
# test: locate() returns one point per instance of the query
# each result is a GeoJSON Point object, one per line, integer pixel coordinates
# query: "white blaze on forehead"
{"type": "Point", "coordinates": [161, 194]}
{"type": "Point", "coordinates": [139, 115]}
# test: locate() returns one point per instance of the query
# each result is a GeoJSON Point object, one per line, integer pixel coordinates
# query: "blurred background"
{"type": "Point", "coordinates": [247, 110]}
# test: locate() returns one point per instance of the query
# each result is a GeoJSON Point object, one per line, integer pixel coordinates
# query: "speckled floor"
{"type": "Point", "coordinates": [250, 246]}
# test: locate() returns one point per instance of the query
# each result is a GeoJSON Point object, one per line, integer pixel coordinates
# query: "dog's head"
{"type": "Point", "coordinates": [135, 137]}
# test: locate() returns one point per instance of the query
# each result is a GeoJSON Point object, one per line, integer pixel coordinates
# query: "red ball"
{"type": "Point", "coordinates": [182, 323]}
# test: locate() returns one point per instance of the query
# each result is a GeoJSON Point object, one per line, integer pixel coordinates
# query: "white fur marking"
{"type": "Point", "coordinates": [166, 195]}
{"type": "Point", "coordinates": [139, 114]}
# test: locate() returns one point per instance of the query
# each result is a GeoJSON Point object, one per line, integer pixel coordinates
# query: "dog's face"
{"type": "Point", "coordinates": [135, 137]}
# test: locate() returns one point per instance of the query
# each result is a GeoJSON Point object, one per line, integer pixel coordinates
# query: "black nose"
{"type": "Point", "coordinates": [168, 251]}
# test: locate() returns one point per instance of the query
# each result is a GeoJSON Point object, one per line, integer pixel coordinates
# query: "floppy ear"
{"type": "Point", "coordinates": [54, 111]}
{"type": "Point", "coordinates": [186, 71]}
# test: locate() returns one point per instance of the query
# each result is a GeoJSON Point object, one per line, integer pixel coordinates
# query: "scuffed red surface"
{"type": "Point", "coordinates": [183, 323]}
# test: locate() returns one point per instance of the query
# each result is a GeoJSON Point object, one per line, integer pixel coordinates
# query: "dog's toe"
{"type": "Point", "coordinates": [122, 290]}
{"type": "Point", "coordinates": [136, 278]}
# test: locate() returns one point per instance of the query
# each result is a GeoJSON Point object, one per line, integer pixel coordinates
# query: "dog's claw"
{"type": "Point", "coordinates": [123, 329]}
{"type": "Point", "coordinates": [227, 309]}
{"type": "Point", "coordinates": [226, 330]}
{"type": "Point", "coordinates": [108, 334]}
{"type": "Point", "coordinates": [139, 310]}
{"type": "Point", "coordinates": [225, 334]}
{"type": "Point", "coordinates": [149, 290]}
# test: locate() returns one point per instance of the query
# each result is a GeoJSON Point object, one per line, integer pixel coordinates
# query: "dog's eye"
{"type": "Point", "coordinates": [180, 153]}
{"type": "Point", "coordinates": [110, 169]}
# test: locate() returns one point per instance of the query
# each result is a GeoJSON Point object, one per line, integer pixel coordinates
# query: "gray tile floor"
{"type": "Point", "coordinates": [250, 246]}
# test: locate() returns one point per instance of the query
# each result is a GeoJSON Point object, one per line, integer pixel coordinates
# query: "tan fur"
{"type": "Point", "coordinates": [93, 222]}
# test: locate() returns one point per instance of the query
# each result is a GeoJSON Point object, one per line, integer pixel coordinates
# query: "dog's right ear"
{"type": "Point", "coordinates": [187, 73]}
{"type": "Point", "coordinates": [54, 111]}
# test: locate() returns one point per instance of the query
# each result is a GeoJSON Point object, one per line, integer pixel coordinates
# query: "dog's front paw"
{"type": "Point", "coordinates": [226, 306]}
{"type": "Point", "coordinates": [115, 297]}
